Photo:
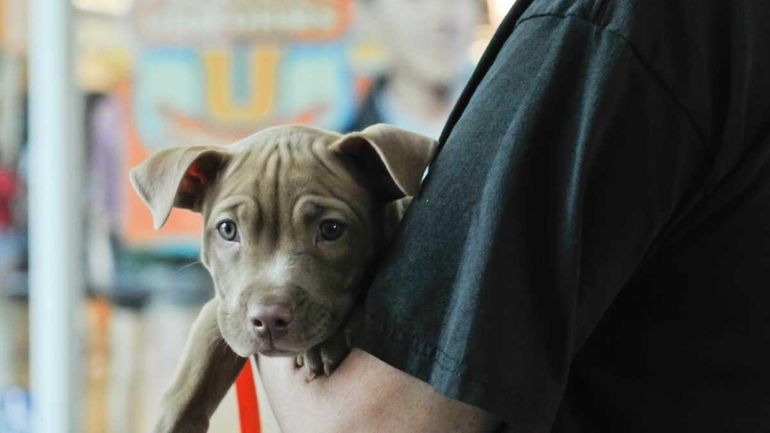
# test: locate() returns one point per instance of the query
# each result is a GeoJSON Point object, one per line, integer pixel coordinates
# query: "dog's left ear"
{"type": "Point", "coordinates": [177, 177]}
{"type": "Point", "coordinates": [393, 159]}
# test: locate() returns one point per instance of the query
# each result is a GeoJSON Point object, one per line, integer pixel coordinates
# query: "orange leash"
{"type": "Point", "coordinates": [248, 407]}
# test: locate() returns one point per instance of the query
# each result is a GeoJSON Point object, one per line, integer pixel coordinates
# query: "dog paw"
{"type": "Point", "coordinates": [323, 358]}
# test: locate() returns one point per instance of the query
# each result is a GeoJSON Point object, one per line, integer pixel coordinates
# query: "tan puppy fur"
{"type": "Point", "coordinates": [293, 219]}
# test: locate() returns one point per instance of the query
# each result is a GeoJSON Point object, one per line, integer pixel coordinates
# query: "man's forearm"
{"type": "Point", "coordinates": [364, 395]}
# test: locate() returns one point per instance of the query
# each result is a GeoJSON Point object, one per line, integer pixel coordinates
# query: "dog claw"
{"type": "Point", "coordinates": [323, 359]}
{"type": "Point", "coordinates": [328, 368]}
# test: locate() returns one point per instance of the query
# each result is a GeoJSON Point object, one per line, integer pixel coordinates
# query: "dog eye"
{"type": "Point", "coordinates": [331, 230]}
{"type": "Point", "coordinates": [227, 230]}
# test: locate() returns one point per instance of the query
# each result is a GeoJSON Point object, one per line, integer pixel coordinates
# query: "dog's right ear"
{"type": "Point", "coordinates": [177, 177]}
{"type": "Point", "coordinates": [393, 159]}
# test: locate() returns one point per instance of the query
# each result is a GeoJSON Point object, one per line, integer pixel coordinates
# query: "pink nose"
{"type": "Point", "coordinates": [271, 320]}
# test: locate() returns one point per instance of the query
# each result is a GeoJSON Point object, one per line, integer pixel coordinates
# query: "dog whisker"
{"type": "Point", "coordinates": [183, 267]}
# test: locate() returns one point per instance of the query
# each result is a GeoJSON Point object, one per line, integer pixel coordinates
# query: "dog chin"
{"type": "Point", "coordinates": [266, 348]}
{"type": "Point", "coordinates": [248, 347]}
{"type": "Point", "coordinates": [243, 352]}
{"type": "Point", "coordinates": [275, 352]}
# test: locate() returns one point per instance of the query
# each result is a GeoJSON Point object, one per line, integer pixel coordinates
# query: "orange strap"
{"type": "Point", "coordinates": [248, 407]}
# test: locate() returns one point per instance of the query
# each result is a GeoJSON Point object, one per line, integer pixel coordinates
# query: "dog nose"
{"type": "Point", "coordinates": [271, 320]}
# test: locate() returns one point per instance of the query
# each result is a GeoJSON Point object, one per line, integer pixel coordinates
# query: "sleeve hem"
{"type": "Point", "coordinates": [451, 378]}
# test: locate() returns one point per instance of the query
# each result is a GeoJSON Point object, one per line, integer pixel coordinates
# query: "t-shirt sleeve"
{"type": "Point", "coordinates": [565, 170]}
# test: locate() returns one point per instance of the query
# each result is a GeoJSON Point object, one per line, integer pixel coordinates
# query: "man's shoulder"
{"type": "Point", "coordinates": [691, 48]}
{"type": "Point", "coordinates": [583, 9]}
{"type": "Point", "coordinates": [638, 17]}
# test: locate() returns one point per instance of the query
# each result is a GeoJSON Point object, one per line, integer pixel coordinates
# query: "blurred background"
{"type": "Point", "coordinates": [148, 74]}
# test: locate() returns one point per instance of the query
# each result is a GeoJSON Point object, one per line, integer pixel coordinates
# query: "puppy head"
{"type": "Point", "coordinates": [292, 220]}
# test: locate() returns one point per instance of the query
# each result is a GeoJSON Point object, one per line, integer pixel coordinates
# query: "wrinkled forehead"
{"type": "Point", "coordinates": [289, 161]}
{"type": "Point", "coordinates": [297, 136]}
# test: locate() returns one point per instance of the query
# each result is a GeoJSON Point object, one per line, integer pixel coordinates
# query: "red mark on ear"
{"type": "Point", "coordinates": [196, 171]}
{"type": "Point", "coordinates": [197, 175]}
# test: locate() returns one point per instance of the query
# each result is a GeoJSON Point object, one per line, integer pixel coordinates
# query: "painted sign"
{"type": "Point", "coordinates": [184, 22]}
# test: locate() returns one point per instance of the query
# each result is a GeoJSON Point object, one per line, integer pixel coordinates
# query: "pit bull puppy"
{"type": "Point", "coordinates": [293, 220]}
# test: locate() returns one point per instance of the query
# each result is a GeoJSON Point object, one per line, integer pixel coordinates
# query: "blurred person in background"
{"type": "Point", "coordinates": [428, 44]}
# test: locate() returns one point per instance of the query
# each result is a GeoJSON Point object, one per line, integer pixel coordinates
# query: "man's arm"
{"type": "Point", "coordinates": [364, 395]}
